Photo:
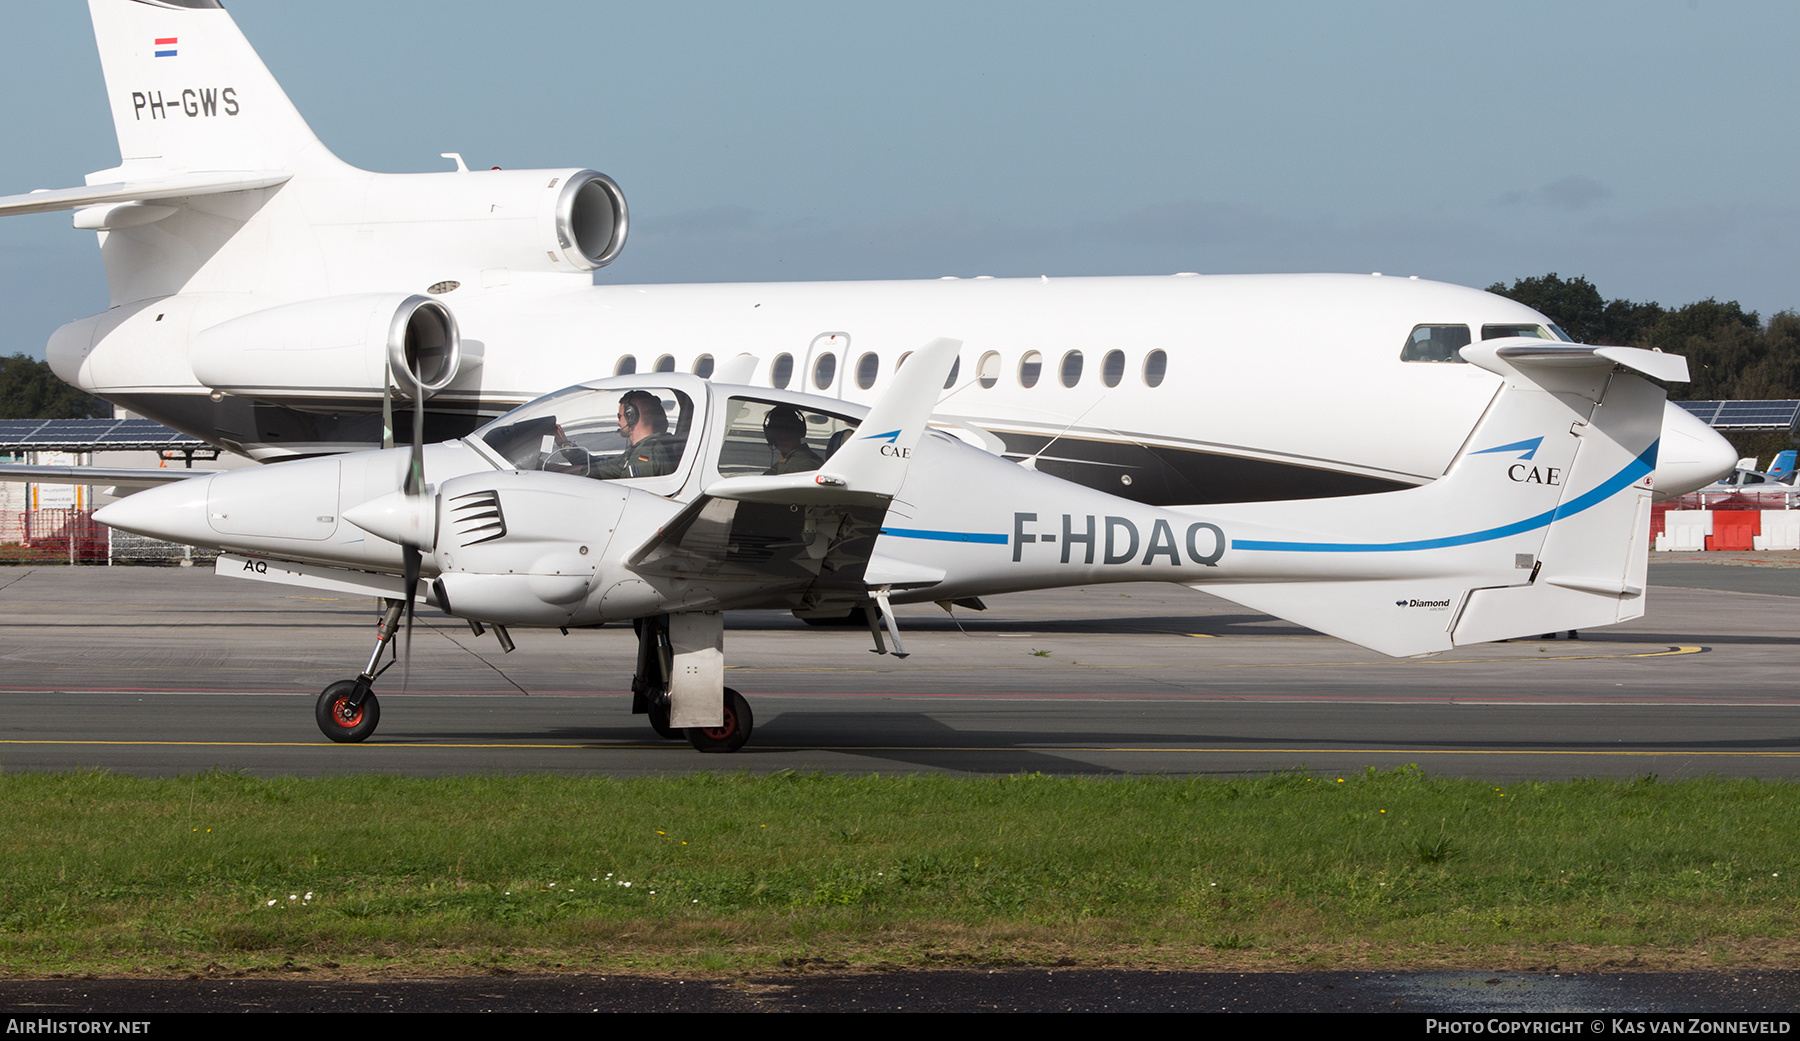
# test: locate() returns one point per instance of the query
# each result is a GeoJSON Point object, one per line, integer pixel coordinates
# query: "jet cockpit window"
{"type": "Point", "coordinates": [604, 434]}
{"type": "Point", "coordinates": [1501, 332]}
{"type": "Point", "coordinates": [1435, 343]}
{"type": "Point", "coordinates": [763, 437]}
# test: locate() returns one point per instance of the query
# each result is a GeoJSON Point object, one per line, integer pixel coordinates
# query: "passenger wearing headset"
{"type": "Point", "coordinates": [785, 431]}
{"type": "Point", "coordinates": [644, 424]}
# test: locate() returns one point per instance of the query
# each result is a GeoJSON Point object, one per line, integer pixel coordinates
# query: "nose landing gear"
{"type": "Point", "coordinates": [348, 711]}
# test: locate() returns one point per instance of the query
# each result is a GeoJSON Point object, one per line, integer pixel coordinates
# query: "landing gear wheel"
{"type": "Point", "coordinates": [659, 722]}
{"type": "Point", "coordinates": [343, 722]}
{"type": "Point", "coordinates": [730, 736]}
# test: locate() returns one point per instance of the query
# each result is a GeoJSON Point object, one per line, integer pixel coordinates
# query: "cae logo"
{"type": "Point", "coordinates": [1534, 474]}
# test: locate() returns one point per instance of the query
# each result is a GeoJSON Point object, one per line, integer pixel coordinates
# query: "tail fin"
{"type": "Point", "coordinates": [1541, 523]}
{"type": "Point", "coordinates": [189, 94]}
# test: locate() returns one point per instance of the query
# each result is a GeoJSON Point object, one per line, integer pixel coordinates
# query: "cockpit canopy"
{"type": "Point", "coordinates": [582, 430]}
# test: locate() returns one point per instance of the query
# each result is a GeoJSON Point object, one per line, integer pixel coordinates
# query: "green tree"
{"type": "Point", "coordinates": [1574, 304]}
{"type": "Point", "coordinates": [29, 390]}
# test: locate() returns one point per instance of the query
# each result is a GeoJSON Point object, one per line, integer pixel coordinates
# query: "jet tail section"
{"type": "Point", "coordinates": [189, 94]}
{"type": "Point", "coordinates": [1541, 524]}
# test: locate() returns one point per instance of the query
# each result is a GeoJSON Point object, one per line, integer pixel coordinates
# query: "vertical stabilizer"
{"type": "Point", "coordinates": [188, 93]}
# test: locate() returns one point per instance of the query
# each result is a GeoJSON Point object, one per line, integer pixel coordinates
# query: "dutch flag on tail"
{"type": "Point", "coordinates": [165, 46]}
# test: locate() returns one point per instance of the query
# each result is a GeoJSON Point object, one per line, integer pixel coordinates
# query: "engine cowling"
{"type": "Point", "coordinates": [333, 348]}
{"type": "Point", "coordinates": [524, 547]}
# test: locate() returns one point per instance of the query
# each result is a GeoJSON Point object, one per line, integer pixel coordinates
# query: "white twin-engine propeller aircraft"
{"type": "Point", "coordinates": [268, 297]}
{"type": "Point", "coordinates": [667, 499]}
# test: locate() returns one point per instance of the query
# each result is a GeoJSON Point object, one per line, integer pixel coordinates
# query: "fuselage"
{"type": "Point", "coordinates": [1165, 389]}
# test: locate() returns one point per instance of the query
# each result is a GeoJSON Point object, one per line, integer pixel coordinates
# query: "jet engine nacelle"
{"type": "Point", "coordinates": [546, 221]}
{"type": "Point", "coordinates": [525, 547]}
{"type": "Point", "coordinates": [332, 347]}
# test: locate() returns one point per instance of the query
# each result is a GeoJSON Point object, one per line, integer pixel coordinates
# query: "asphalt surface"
{"type": "Point", "coordinates": [944, 990]}
{"type": "Point", "coordinates": [162, 671]}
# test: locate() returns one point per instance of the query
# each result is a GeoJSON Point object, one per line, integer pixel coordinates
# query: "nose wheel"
{"type": "Point", "coordinates": [343, 716]}
{"type": "Point", "coordinates": [347, 711]}
{"type": "Point", "coordinates": [732, 733]}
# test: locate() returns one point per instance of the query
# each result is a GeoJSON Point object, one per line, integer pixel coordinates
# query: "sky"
{"type": "Point", "coordinates": [1648, 145]}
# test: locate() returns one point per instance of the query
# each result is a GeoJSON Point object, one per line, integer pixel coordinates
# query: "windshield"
{"type": "Point", "coordinates": [604, 434]}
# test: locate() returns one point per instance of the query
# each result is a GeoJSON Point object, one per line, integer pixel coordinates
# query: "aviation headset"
{"type": "Point", "coordinates": [783, 419]}
{"type": "Point", "coordinates": [628, 407]}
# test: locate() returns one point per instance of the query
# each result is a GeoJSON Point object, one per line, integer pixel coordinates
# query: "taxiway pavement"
{"type": "Point", "coordinates": [165, 671]}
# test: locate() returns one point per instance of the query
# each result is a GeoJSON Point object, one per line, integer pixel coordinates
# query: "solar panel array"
{"type": "Point", "coordinates": [1745, 415]}
{"type": "Point", "coordinates": [91, 435]}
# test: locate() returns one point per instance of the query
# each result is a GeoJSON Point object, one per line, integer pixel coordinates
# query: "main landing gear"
{"type": "Point", "coordinates": [348, 711]}
{"type": "Point", "coordinates": [651, 687]}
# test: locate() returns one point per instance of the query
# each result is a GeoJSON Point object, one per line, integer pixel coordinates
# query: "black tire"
{"type": "Point", "coordinates": [341, 723]}
{"type": "Point", "coordinates": [659, 722]}
{"type": "Point", "coordinates": [729, 737]}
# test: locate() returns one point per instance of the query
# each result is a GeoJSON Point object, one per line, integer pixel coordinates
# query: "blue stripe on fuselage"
{"type": "Point", "coordinates": [944, 536]}
{"type": "Point", "coordinates": [1626, 477]}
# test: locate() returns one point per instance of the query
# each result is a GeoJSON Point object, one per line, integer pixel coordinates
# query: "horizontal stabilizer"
{"type": "Point", "coordinates": [149, 189]}
{"type": "Point", "coordinates": [1522, 352]}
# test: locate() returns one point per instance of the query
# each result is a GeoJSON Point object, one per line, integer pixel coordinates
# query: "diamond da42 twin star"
{"type": "Point", "coordinates": [720, 496]}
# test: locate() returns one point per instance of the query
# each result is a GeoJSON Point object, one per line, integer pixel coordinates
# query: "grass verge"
{"type": "Point", "coordinates": [227, 874]}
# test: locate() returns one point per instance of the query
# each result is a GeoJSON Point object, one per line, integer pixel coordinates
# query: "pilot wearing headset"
{"type": "Point", "coordinates": [785, 431]}
{"type": "Point", "coordinates": [643, 423]}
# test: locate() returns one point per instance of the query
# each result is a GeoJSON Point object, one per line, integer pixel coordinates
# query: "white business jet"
{"type": "Point", "coordinates": [269, 298]}
{"type": "Point", "coordinates": [667, 499]}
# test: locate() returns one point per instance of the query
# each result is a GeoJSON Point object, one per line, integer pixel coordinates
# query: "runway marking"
{"type": "Point", "coordinates": [1065, 749]}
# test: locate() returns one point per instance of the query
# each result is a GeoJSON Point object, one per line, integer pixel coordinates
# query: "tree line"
{"type": "Point", "coordinates": [1731, 352]}
{"type": "Point", "coordinates": [29, 390]}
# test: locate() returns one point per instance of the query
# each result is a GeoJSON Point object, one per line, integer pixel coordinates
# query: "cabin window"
{"type": "Point", "coordinates": [1500, 332]}
{"type": "Point", "coordinates": [988, 372]}
{"type": "Point", "coordinates": [666, 363]}
{"type": "Point", "coordinates": [770, 437]}
{"type": "Point", "coordinates": [1156, 366]}
{"type": "Point", "coordinates": [1030, 368]}
{"type": "Point", "coordinates": [955, 367]}
{"type": "Point", "coordinates": [703, 366]}
{"type": "Point", "coordinates": [781, 371]}
{"type": "Point", "coordinates": [824, 371]}
{"type": "Point", "coordinates": [1435, 343]}
{"type": "Point", "coordinates": [902, 361]}
{"type": "Point", "coordinates": [1112, 369]}
{"type": "Point", "coordinates": [1071, 368]}
{"type": "Point", "coordinates": [627, 365]}
{"type": "Point", "coordinates": [867, 368]}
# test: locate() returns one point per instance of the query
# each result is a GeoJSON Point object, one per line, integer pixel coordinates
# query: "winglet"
{"type": "Point", "coordinates": [870, 466]}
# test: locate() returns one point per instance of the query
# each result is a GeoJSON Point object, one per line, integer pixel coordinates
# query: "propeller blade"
{"type": "Point", "coordinates": [410, 550]}
{"type": "Point", "coordinates": [410, 557]}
